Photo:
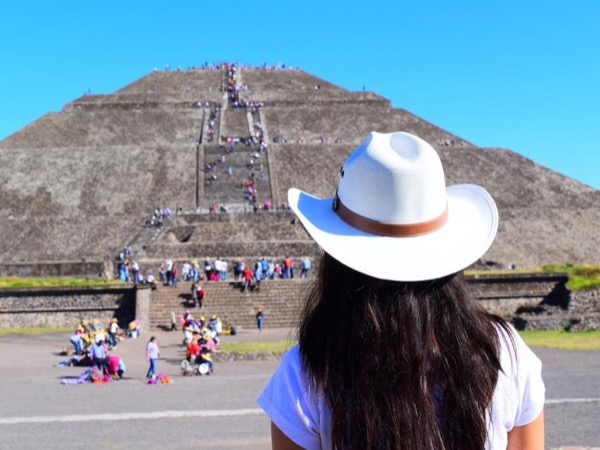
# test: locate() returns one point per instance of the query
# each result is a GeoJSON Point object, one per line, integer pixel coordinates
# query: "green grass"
{"type": "Point", "coordinates": [585, 340]}
{"type": "Point", "coordinates": [278, 347]}
{"type": "Point", "coordinates": [30, 282]}
{"type": "Point", "coordinates": [566, 340]}
{"type": "Point", "coordinates": [581, 277]}
{"type": "Point", "coordinates": [33, 331]}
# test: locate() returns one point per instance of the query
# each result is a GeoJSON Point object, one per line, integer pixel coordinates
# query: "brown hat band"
{"type": "Point", "coordinates": [385, 228]}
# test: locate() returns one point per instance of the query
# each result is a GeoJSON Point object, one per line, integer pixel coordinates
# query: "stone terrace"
{"type": "Point", "coordinates": [121, 125]}
{"type": "Point", "coordinates": [288, 85]}
{"type": "Point", "coordinates": [190, 85]}
{"type": "Point", "coordinates": [330, 121]}
{"type": "Point", "coordinates": [247, 236]}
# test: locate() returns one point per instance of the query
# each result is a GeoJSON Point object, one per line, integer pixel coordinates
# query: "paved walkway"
{"type": "Point", "coordinates": [216, 412]}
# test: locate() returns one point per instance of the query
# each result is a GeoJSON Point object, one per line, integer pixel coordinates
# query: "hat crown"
{"type": "Point", "coordinates": [394, 178]}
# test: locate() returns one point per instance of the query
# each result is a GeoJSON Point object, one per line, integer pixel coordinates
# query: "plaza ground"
{"type": "Point", "coordinates": [213, 412]}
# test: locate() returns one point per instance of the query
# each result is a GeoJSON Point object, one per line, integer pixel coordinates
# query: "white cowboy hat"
{"type": "Point", "coordinates": [393, 217]}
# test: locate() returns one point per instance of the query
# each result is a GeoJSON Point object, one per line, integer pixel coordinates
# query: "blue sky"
{"type": "Point", "coordinates": [522, 75]}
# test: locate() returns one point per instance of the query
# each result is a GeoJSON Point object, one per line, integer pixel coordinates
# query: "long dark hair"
{"type": "Point", "coordinates": [401, 365]}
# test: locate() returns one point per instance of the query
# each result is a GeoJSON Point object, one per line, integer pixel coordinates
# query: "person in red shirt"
{"type": "Point", "coordinates": [194, 349]}
{"type": "Point", "coordinates": [248, 276]}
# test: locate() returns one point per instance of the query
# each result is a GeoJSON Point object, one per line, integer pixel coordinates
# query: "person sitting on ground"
{"type": "Point", "coordinates": [116, 367]}
{"type": "Point", "coordinates": [205, 358]}
{"type": "Point", "coordinates": [95, 326]}
{"type": "Point", "coordinates": [213, 324]}
{"type": "Point", "coordinates": [207, 341]}
{"type": "Point", "coordinates": [193, 349]}
{"type": "Point", "coordinates": [77, 341]}
{"type": "Point", "coordinates": [134, 328]}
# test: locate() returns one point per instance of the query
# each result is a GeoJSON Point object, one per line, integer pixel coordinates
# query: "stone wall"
{"type": "Point", "coordinates": [581, 312]}
{"type": "Point", "coordinates": [508, 295]}
{"type": "Point", "coordinates": [530, 301]}
{"type": "Point", "coordinates": [64, 307]}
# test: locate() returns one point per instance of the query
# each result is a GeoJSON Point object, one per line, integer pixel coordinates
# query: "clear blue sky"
{"type": "Point", "coordinates": [523, 75]}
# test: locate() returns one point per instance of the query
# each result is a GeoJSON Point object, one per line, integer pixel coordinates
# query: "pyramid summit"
{"type": "Point", "coordinates": [81, 184]}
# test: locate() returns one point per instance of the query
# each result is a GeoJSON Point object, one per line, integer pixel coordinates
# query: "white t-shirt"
{"type": "Point", "coordinates": [303, 415]}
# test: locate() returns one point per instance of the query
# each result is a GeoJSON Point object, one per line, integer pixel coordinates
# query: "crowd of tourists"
{"type": "Point", "coordinates": [129, 270]}
{"type": "Point", "coordinates": [213, 116]}
{"type": "Point", "coordinates": [159, 215]}
{"type": "Point", "coordinates": [248, 274]}
{"type": "Point", "coordinates": [94, 346]}
{"type": "Point", "coordinates": [201, 338]}
{"type": "Point", "coordinates": [226, 64]}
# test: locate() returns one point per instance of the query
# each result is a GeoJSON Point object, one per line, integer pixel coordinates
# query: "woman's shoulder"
{"type": "Point", "coordinates": [512, 345]}
{"type": "Point", "coordinates": [292, 358]}
{"type": "Point", "coordinates": [520, 389]}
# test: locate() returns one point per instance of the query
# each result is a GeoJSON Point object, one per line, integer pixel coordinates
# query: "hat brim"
{"type": "Point", "coordinates": [467, 235]}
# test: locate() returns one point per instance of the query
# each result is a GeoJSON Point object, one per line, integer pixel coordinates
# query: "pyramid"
{"type": "Point", "coordinates": [80, 184]}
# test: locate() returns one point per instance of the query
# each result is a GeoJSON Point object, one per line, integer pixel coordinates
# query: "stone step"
{"type": "Point", "coordinates": [280, 301]}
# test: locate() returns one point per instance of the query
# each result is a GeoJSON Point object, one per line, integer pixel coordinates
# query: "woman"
{"type": "Point", "coordinates": [152, 354]}
{"type": "Point", "coordinates": [394, 352]}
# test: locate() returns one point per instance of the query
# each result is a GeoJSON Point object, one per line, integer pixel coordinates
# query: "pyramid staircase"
{"type": "Point", "coordinates": [280, 301]}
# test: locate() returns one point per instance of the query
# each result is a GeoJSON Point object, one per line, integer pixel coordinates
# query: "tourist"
{"type": "Point", "coordinates": [168, 272]}
{"type": "Point", "coordinates": [113, 328]}
{"type": "Point", "coordinates": [224, 269]}
{"type": "Point", "coordinates": [152, 354]}
{"type": "Point", "coordinates": [306, 265]}
{"type": "Point", "coordinates": [258, 273]}
{"type": "Point", "coordinates": [260, 318]}
{"type": "Point", "coordinates": [98, 353]}
{"type": "Point", "coordinates": [207, 268]}
{"type": "Point", "coordinates": [77, 341]}
{"type": "Point", "coordinates": [194, 292]}
{"type": "Point", "coordinates": [135, 270]}
{"type": "Point", "coordinates": [150, 280]}
{"type": "Point", "coordinates": [248, 275]}
{"type": "Point", "coordinates": [270, 270]}
{"type": "Point", "coordinates": [162, 273]}
{"type": "Point", "coordinates": [174, 275]}
{"type": "Point", "coordinates": [116, 367]}
{"type": "Point", "coordinates": [173, 322]}
{"type": "Point", "coordinates": [393, 350]}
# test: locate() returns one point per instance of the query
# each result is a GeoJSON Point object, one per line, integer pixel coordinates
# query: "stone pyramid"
{"type": "Point", "coordinates": [78, 185]}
